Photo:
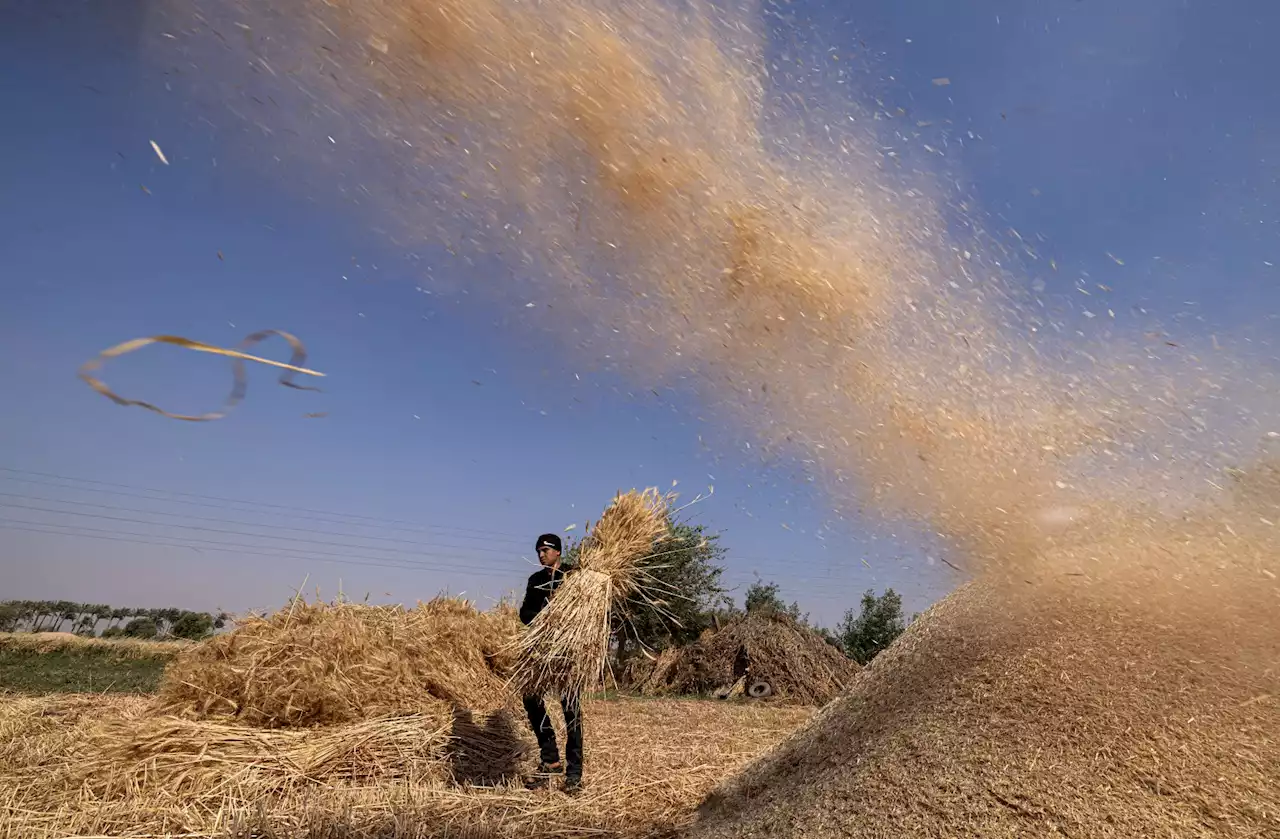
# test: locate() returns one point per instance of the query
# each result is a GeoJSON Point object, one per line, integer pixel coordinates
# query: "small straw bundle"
{"type": "Point", "coordinates": [565, 649]}
{"type": "Point", "coordinates": [201, 760]}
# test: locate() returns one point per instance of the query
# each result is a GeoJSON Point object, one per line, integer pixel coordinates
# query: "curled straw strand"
{"type": "Point", "coordinates": [240, 379]}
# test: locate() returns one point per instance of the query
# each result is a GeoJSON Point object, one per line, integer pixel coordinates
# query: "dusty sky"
{"type": "Point", "coordinates": [1137, 147]}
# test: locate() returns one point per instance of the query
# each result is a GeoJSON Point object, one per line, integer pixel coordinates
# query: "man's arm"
{"type": "Point", "coordinates": [529, 608]}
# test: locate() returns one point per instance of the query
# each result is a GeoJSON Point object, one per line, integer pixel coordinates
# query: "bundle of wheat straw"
{"type": "Point", "coordinates": [564, 649]}
{"type": "Point", "coordinates": [202, 760]}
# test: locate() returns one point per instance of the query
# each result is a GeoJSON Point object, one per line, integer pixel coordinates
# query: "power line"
{"type": "Point", "coordinates": [245, 523]}
{"type": "Point", "coordinates": [494, 536]}
{"type": "Point", "coordinates": [224, 547]}
{"type": "Point", "coordinates": [127, 520]}
{"type": "Point", "coordinates": [783, 577]}
{"type": "Point", "coordinates": [733, 576]}
{"type": "Point", "coordinates": [373, 519]}
{"type": "Point", "coordinates": [388, 526]}
{"type": "Point", "coordinates": [201, 545]}
{"type": "Point", "coordinates": [740, 575]}
{"type": "Point", "coordinates": [395, 524]}
{"type": "Point", "coordinates": [205, 545]}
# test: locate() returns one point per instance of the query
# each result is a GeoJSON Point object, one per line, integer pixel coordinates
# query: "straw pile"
{"type": "Point", "coordinates": [1089, 708]}
{"type": "Point", "coordinates": [318, 663]}
{"type": "Point", "coordinates": [565, 649]}
{"type": "Point", "coordinates": [316, 696]}
{"type": "Point", "coordinates": [757, 655]}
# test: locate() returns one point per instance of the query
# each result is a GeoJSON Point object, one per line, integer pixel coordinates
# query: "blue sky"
{"type": "Point", "coordinates": [1137, 145]}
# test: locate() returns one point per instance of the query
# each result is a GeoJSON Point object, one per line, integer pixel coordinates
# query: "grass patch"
{"type": "Point", "coordinates": [78, 671]}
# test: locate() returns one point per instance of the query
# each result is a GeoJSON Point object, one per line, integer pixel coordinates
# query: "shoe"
{"type": "Point", "coordinates": [573, 784]}
{"type": "Point", "coordinates": [543, 775]}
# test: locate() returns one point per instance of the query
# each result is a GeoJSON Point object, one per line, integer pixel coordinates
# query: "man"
{"type": "Point", "coordinates": [542, 584]}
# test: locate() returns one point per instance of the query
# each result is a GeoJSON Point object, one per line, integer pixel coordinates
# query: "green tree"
{"type": "Point", "coordinates": [101, 612]}
{"type": "Point", "coordinates": [865, 633]}
{"type": "Point", "coordinates": [117, 615]}
{"type": "Point", "coordinates": [766, 598]}
{"type": "Point", "coordinates": [67, 611]}
{"type": "Point", "coordinates": [141, 628]}
{"type": "Point", "coordinates": [192, 625]}
{"type": "Point", "coordinates": [41, 611]}
{"type": "Point", "coordinates": [686, 570]}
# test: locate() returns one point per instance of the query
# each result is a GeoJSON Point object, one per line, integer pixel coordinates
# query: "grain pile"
{"type": "Point", "coordinates": [756, 655]}
{"type": "Point", "coordinates": [1128, 689]}
{"type": "Point", "coordinates": [648, 673]}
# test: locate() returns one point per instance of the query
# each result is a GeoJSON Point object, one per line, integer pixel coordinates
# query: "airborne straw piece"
{"type": "Point", "coordinates": [565, 648]}
{"type": "Point", "coordinates": [240, 380]}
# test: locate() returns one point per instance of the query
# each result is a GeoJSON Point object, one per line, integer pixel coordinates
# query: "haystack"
{"type": "Point", "coordinates": [1077, 709]}
{"type": "Point", "coordinates": [759, 655]}
{"type": "Point", "coordinates": [319, 693]}
{"type": "Point", "coordinates": [318, 663]}
{"type": "Point", "coordinates": [565, 649]}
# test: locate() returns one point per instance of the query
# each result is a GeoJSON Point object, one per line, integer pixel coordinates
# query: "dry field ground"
{"type": "Point", "coordinates": [649, 764]}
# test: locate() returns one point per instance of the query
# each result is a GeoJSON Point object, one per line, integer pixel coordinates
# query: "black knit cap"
{"type": "Point", "coordinates": [548, 540]}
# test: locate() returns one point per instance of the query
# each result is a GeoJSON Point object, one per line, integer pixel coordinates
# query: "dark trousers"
{"type": "Point", "coordinates": [546, 733]}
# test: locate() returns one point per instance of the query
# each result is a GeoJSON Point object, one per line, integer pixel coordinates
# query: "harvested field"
{"type": "Point", "coordinates": [47, 642]}
{"type": "Point", "coordinates": [57, 662]}
{"type": "Point", "coordinates": [756, 655]}
{"type": "Point", "coordinates": [341, 720]}
{"type": "Point", "coordinates": [648, 763]}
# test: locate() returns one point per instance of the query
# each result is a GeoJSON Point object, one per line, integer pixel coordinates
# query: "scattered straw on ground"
{"type": "Point", "coordinates": [648, 763]}
{"type": "Point", "coordinates": [761, 655]}
{"type": "Point", "coordinates": [318, 663]}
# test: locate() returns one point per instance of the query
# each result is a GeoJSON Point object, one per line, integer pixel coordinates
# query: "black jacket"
{"type": "Point", "coordinates": [538, 591]}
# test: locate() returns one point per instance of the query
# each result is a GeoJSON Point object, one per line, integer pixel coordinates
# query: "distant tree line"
{"type": "Point", "coordinates": [88, 618]}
